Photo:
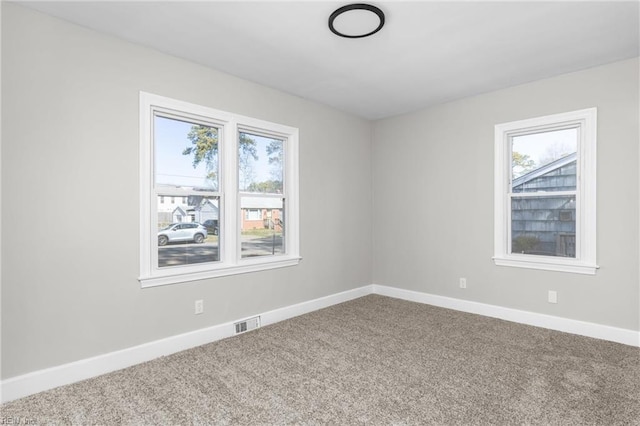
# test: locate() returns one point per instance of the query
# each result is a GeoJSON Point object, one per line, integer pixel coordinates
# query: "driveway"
{"type": "Point", "coordinates": [187, 254]}
{"type": "Point", "coordinates": [262, 246]}
{"type": "Point", "coordinates": [191, 253]}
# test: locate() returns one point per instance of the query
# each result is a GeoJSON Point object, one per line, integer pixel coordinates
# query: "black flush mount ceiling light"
{"type": "Point", "coordinates": [356, 20]}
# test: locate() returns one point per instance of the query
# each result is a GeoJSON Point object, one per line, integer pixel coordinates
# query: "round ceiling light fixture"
{"type": "Point", "coordinates": [356, 20]}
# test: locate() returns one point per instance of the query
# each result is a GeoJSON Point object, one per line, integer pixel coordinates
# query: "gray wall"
{"type": "Point", "coordinates": [433, 169]}
{"type": "Point", "coordinates": [70, 196]}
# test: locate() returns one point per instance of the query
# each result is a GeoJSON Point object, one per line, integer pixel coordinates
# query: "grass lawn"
{"type": "Point", "coordinates": [261, 232]}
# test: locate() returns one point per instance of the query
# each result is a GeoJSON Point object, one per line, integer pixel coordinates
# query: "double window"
{"type": "Point", "coordinates": [545, 193]}
{"type": "Point", "coordinates": [217, 170]}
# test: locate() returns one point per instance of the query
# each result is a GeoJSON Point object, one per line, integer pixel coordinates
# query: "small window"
{"type": "Point", "coordinates": [567, 216]}
{"type": "Point", "coordinates": [252, 214]}
{"type": "Point", "coordinates": [221, 172]}
{"type": "Point", "coordinates": [545, 193]}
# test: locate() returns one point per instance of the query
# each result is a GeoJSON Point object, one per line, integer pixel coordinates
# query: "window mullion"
{"type": "Point", "coordinates": [541, 194]}
{"type": "Point", "coordinates": [229, 242]}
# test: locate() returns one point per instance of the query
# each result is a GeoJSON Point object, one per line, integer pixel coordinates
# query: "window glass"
{"type": "Point", "coordinates": [544, 226]}
{"type": "Point", "coordinates": [188, 233]}
{"type": "Point", "coordinates": [186, 154]}
{"type": "Point", "coordinates": [262, 227]}
{"type": "Point", "coordinates": [186, 160]}
{"type": "Point", "coordinates": [260, 164]}
{"type": "Point", "coordinates": [544, 162]}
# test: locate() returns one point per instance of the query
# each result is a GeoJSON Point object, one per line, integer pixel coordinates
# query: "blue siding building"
{"type": "Point", "coordinates": [545, 224]}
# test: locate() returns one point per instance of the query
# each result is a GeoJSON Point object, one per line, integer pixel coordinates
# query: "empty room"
{"type": "Point", "coordinates": [320, 212]}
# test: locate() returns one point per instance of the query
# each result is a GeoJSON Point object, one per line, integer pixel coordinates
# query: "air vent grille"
{"type": "Point", "coordinates": [247, 325]}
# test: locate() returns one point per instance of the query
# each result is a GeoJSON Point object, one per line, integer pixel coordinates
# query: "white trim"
{"type": "Point", "coordinates": [585, 261]}
{"type": "Point", "coordinates": [42, 380]}
{"type": "Point", "coordinates": [546, 263]}
{"type": "Point", "coordinates": [582, 328]}
{"type": "Point", "coordinates": [255, 264]}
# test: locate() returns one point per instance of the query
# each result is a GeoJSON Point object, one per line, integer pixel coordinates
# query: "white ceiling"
{"type": "Point", "coordinates": [427, 53]}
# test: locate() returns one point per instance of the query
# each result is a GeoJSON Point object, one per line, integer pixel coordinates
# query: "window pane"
{"type": "Point", "coordinates": [188, 232]}
{"type": "Point", "coordinates": [260, 164]}
{"type": "Point", "coordinates": [186, 154]}
{"type": "Point", "coordinates": [262, 226]}
{"type": "Point", "coordinates": [544, 162]}
{"type": "Point", "coordinates": [544, 226]}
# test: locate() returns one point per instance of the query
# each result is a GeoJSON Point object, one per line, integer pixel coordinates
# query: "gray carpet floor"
{"type": "Point", "coordinates": [374, 360]}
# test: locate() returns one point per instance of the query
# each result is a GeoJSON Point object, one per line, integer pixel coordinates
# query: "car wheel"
{"type": "Point", "coordinates": [162, 240]}
{"type": "Point", "coordinates": [198, 238]}
{"type": "Point", "coordinates": [215, 231]}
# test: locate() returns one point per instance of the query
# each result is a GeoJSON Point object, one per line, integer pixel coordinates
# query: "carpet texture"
{"type": "Point", "coordinates": [373, 360]}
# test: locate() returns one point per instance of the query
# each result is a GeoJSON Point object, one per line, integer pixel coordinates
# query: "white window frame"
{"type": "Point", "coordinates": [585, 261]}
{"type": "Point", "coordinates": [230, 262]}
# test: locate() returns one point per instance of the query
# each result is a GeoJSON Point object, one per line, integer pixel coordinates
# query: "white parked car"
{"type": "Point", "coordinates": [179, 232]}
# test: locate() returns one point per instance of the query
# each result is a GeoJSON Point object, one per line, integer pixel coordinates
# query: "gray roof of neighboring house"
{"type": "Point", "coordinates": [181, 209]}
{"type": "Point", "coordinates": [561, 162]}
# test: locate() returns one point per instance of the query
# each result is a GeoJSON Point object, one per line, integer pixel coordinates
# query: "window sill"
{"type": "Point", "coordinates": [547, 264]}
{"type": "Point", "coordinates": [243, 267]}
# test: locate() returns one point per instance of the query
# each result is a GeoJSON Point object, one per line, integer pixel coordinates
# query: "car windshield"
{"type": "Point", "coordinates": [168, 227]}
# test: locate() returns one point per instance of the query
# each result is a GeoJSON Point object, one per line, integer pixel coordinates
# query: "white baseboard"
{"type": "Point", "coordinates": [582, 328]}
{"type": "Point", "coordinates": [38, 381]}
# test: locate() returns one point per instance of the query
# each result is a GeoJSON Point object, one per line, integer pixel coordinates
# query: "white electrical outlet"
{"type": "Point", "coordinates": [463, 283]}
{"type": "Point", "coordinates": [199, 306]}
{"type": "Point", "coordinates": [553, 296]}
